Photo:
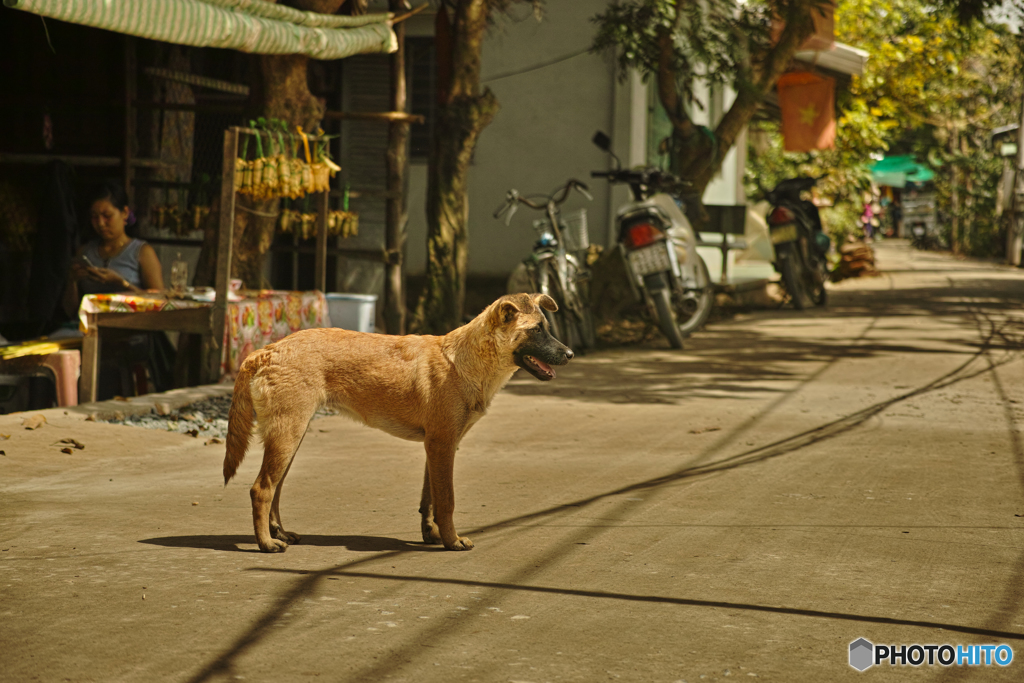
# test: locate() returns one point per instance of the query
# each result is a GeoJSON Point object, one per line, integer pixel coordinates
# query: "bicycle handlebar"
{"type": "Point", "coordinates": [513, 199]}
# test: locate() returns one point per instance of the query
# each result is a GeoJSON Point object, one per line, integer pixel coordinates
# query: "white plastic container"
{"type": "Point", "coordinates": [352, 311]}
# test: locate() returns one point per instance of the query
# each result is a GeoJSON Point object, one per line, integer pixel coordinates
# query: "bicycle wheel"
{"type": "Point", "coordinates": [578, 317]}
{"type": "Point", "coordinates": [547, 283]}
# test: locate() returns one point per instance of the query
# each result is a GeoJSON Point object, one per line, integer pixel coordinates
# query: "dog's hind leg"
{"type": "Point", "coordinates": [276, 525]}
{"type": "Point", "coordinates": [431, 534]}
{"type": "Point", "coordinates": [280, 442]}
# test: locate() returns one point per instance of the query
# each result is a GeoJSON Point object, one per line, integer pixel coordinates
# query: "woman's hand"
{"type": "Point", "coordinates": [106, 276]}
{"type": "Point", "coordinates": [79, 271]}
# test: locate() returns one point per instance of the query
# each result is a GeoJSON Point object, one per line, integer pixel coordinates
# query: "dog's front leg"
{"type": "Point", "coordinates": [427, 525]}
{"type": "Point", "coordinates": [440, 473]}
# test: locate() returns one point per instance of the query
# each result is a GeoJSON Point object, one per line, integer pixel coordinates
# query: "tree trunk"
{"type": "Point", "coordinates": [457, 128]}
{"type": "Point", "coordinates": [954, 229]}
{"type": "Point", "coordinates": [286, 96]}
{"type": "Point", "coordinates": [463, 114]}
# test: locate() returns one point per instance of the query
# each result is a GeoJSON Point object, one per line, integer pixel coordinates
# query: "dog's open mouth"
{"type": "Point", "coordinates": [541, 368]}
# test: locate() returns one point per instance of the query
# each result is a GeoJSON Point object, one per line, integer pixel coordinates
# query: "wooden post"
{"type": "Point", "coordinates": [90, 363]}
{"type": "Point", "coordinates": [1014, 236]}
{"type": "Point", "coordinates": [214, 345]}
{"type": "Point", "coordinates": [320, 268]}
{"type": "Point", "coordinates": [398, 162]}
{"type": "Point", "coordinates": [130, 95]}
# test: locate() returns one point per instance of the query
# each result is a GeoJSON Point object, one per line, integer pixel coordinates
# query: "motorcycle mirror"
{"type": "Point", "coordinates": [605, 143]}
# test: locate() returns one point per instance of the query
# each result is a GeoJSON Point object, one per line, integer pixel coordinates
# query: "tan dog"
{"type": "Point", "coordinates": [421, 388]}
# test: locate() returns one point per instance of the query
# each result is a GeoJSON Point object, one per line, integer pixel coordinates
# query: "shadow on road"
{"type": "Point", "coordinates": [247, 544]}
{"type": "Point", "coordinates": [717, 362]}
{"type": "Point", "coordinates": [726, 362]}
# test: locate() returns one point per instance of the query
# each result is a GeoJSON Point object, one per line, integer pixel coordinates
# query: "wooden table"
{"type": "Point", "coordinates": [249, 322]}
{"type": "Point", "coordinates": [188, 320]}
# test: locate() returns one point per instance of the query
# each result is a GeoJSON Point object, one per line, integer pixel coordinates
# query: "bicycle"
{"type": "Point", "coordinates": [557, 266]}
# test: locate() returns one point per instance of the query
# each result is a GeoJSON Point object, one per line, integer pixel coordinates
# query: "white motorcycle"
{"type": "Point", "coordinates": [679, 283]}
{"type": "Point", "coordinates": [659, 248]}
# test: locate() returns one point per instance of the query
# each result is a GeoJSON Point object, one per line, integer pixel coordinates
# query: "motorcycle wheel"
{"type": "Point", "coordinates": [705, 302]}
{"type": "Point", "coordinates": [819, 295]}
{"type": "Point", "coordinates": [794, 274]}
{"type": "Point", "coordinates": [667, 317]}
{"type": "Point", "coordinates": [816, 274]}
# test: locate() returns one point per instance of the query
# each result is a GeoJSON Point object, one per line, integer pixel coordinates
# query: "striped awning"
{"type": "Point", "coordinates": [246, 25]}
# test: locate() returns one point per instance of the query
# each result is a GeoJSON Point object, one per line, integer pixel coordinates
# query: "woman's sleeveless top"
{"type": "Point", "coordinates": [125, 263]}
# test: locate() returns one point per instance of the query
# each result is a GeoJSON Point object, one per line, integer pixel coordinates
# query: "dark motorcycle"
{"type": "Point", "coordinates": [800, 245]}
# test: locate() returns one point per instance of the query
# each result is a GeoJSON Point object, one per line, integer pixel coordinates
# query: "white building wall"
{"type": "Point", "coordinates": [539, 139]}
{"type": "Point", "coordinates": [727, 187]}
{"type": "Point", "coordinates": [541, 136]}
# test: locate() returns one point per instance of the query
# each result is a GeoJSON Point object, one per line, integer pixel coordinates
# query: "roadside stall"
{"type": "Point", "coordinates": [233, 322]}
{"type": "Point", "coordinates": [172, 164]}
{"type": "Point", "coordinates": [907, 197]}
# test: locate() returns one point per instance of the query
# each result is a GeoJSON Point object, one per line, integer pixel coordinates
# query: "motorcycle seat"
{"type": "Point", "coordinates": [731, 244]}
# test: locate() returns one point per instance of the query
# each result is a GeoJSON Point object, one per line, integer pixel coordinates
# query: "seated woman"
{"type": "Point", "coordinates": [113, 263]}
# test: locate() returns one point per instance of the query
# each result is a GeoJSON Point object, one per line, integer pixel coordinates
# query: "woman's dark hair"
{"type": "Point", "coordinates": [110, 190]}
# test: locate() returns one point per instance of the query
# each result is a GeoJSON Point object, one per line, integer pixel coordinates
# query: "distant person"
{"type": "Point", "coordinates": [866, 217]}
{"type": "Point", "coordinates": [114, 262]}
{"type": "Point", "coordinates": [897, 217]}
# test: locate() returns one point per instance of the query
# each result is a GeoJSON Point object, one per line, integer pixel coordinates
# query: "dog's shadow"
{"type": "Point", "coordinates": [247, 544]}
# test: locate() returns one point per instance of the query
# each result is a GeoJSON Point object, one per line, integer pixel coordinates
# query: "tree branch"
{"type": "Point", "coordinates": [798, 28]}
{"type": "Point", "coordinates": [668, 79]}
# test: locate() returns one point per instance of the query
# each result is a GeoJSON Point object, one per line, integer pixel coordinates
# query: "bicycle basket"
{"type": "Point", "coordinates": [574, 230]}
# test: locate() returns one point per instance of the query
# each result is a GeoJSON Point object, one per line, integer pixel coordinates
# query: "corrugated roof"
{"type": "Point", "coordinates": [245, 25]}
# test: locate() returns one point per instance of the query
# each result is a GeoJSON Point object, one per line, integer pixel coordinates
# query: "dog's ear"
{"type": "Point", "coordinates": [507, 312]}
{"type": "Point", "coordinates": [545, 302]}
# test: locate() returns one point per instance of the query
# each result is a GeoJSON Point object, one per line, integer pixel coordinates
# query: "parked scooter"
{"type": "Point", "coordinates": [659, 248]}
{"type": "Point", "coordinates": [800, 245]}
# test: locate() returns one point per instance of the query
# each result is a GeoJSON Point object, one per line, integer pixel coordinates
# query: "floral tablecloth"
{"type": "Point", "coordinates": [257, 319]}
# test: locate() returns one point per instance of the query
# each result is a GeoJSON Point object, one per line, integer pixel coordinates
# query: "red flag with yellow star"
{"type": "Point", "coordinates": [808, 109]}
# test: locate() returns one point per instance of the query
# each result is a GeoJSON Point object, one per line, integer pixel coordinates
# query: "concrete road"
{"type": "Point", "coordinates": [745, 508]}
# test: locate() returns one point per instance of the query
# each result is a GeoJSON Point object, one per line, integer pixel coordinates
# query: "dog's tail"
{"type": "Point", "coordinates": [240, 419]}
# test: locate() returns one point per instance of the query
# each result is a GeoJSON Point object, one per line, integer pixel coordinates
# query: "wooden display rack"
{"type": "Point", "coordinates": [225, 240]}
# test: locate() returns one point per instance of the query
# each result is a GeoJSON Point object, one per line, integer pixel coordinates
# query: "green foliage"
{"type": "Point", "coordinates": [933, 87]}
{"type": "Point", "coordinates": [718, 34]}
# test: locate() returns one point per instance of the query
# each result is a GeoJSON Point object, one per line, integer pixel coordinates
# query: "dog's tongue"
{"type": "Point", "coordinates": [543, 366]}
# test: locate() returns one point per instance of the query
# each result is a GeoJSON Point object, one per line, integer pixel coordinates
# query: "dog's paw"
{"type": "Point", "coordinates": [431, 534]}
{"type": "Point", "coordinates": [286, 536]}
{"type": "Point", "coordinates": [274, 546]}
{"type": "Point", "coordinates": [461, 543]}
